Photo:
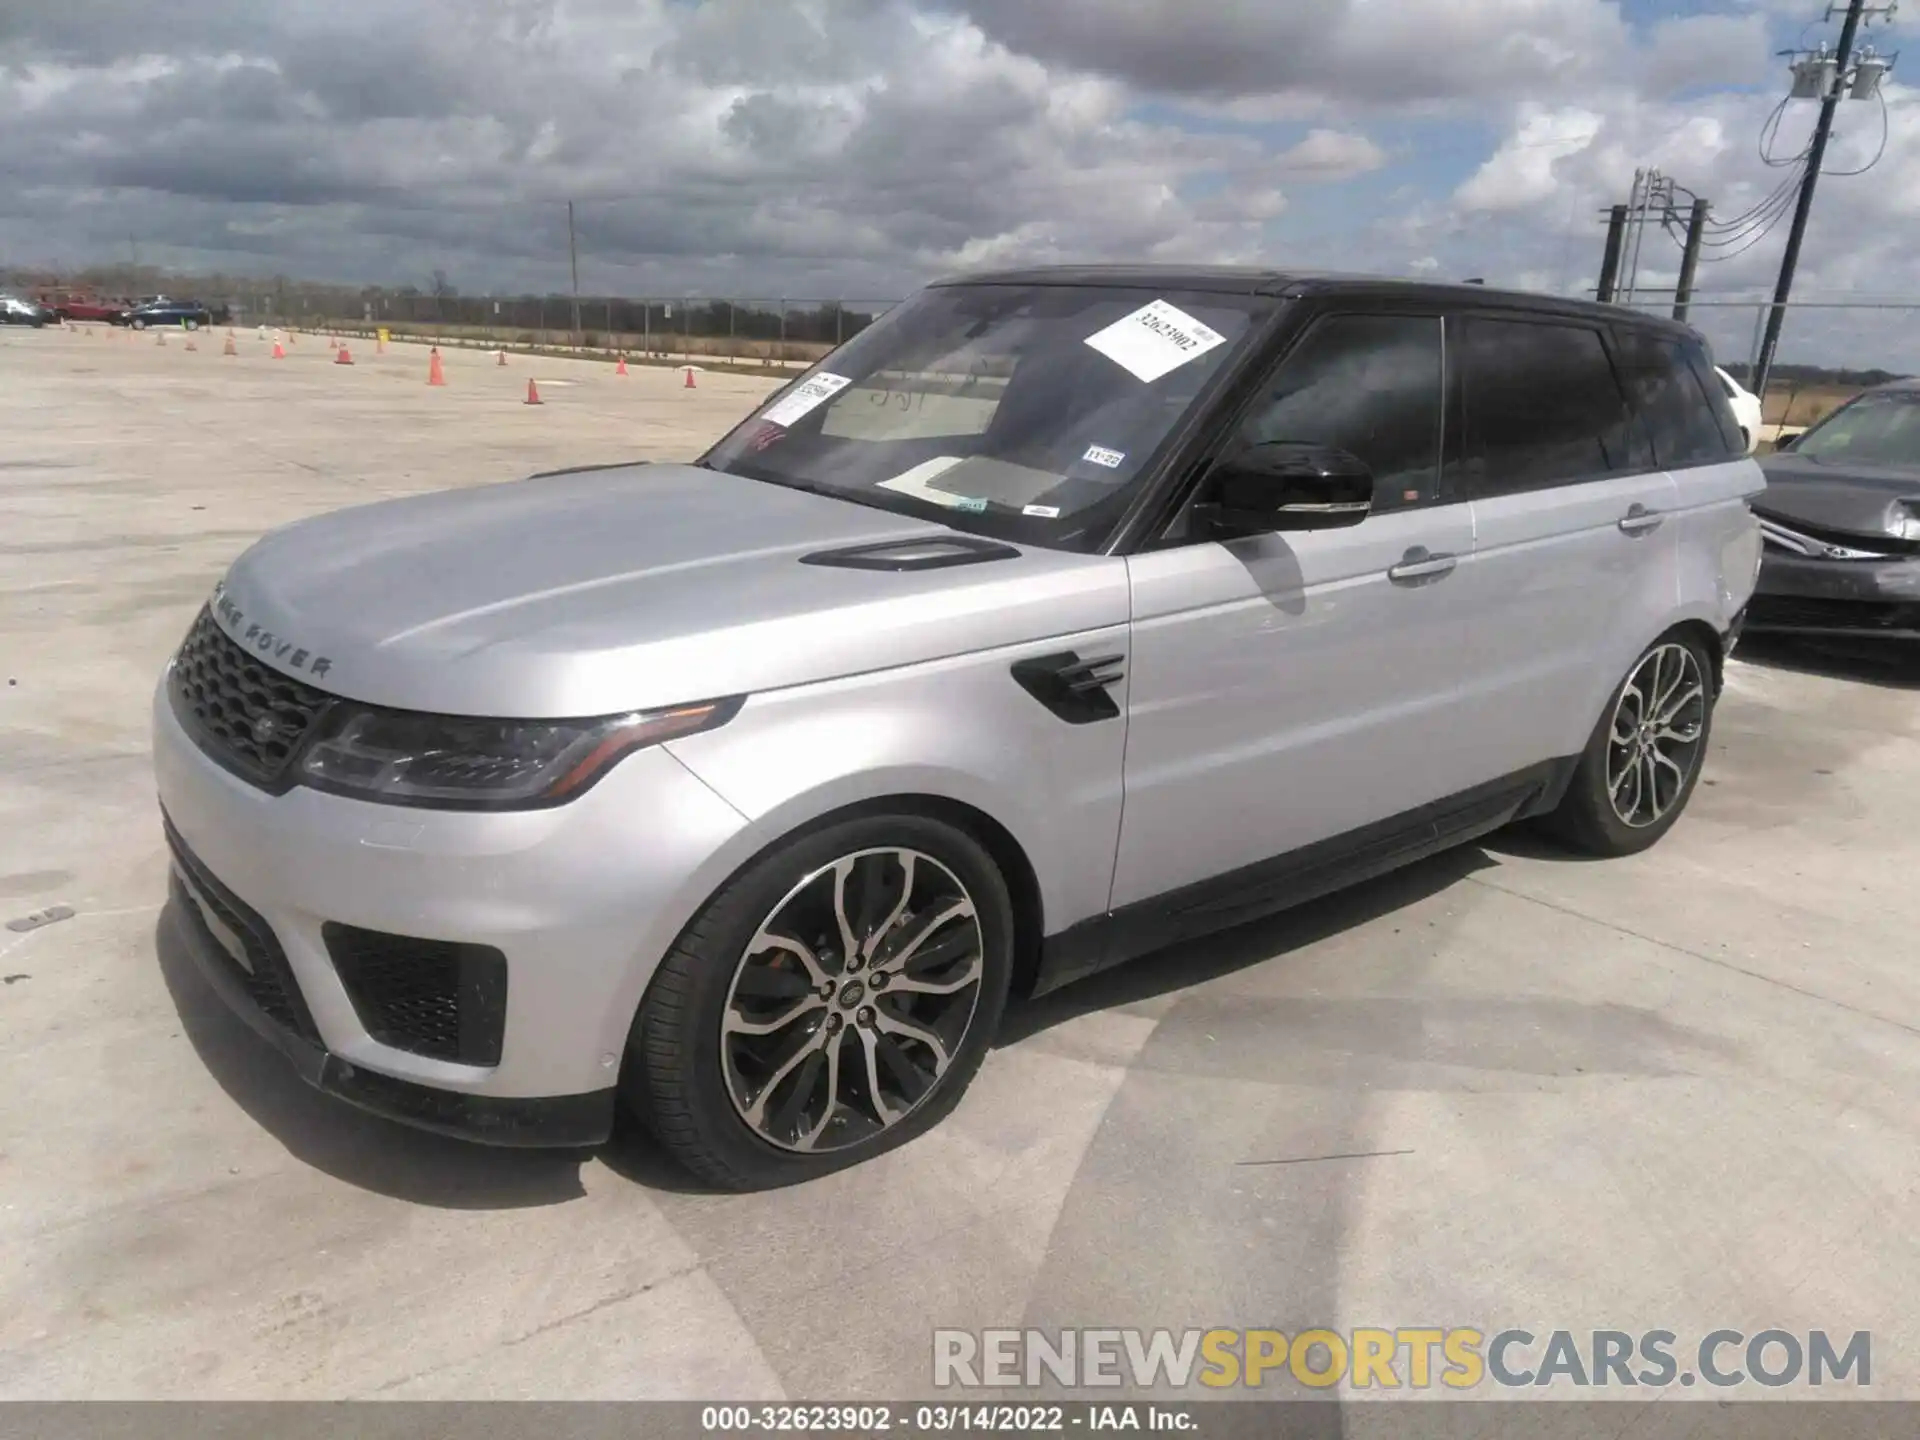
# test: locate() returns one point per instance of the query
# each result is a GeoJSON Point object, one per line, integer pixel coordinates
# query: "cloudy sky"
{"type": "Point", "coordinates": [825, 148]}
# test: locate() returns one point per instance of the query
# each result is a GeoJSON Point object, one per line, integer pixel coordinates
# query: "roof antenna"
{"type": "Point", "coordinates": [1477, 280]}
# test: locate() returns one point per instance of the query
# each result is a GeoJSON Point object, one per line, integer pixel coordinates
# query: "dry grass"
{"type": "Point", "coordinates": [1788, 403]}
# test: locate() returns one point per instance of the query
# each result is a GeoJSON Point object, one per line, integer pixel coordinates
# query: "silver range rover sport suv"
{"type": "Point", "coordinates": [1059, 615]}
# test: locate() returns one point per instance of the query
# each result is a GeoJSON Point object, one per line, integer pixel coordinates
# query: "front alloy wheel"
{"type": "Point", "coordinates": [851, 999]}
{"type": "Point", "coordinates": [831, 1002]}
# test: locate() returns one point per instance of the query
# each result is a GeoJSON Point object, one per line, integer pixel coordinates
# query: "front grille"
{"type": "Point", "coordinates": [1878, 543]}
{"type": "Point", "coordinates": [247, 716]}
{"type": "Point", "coordinates": [1798, 612]}
{"type": "Point", "coordinates": [436, 998]}
{"type": "Point", "coordinates": [267, 978]}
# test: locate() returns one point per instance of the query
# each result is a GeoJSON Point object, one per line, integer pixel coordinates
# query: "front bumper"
{"type": "Point", "coordinates": [1853, 598]}
{"type": "Point", "coordinates": [564, 1121]}
{"type": "Point", "coordinates": [582, 900]}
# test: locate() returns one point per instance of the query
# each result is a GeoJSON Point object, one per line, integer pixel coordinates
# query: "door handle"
{"type": "Point", "coordinates": [1420, 563]}
{"type": "Point", "coordinates": [1638, 519]}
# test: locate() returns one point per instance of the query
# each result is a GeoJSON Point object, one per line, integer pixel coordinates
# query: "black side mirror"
{"type": "Point", "coordinates": [1282, 485]}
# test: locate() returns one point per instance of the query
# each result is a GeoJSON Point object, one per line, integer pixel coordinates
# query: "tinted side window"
{"type": "Point", "coordinates": [1719, 398]}
{"type": "Point", "coordinates": [1681, 415]}
{"type": "Point", "coordinates": [1543, 406]}
{"type": "Point", "coordinates": [1370, 385]}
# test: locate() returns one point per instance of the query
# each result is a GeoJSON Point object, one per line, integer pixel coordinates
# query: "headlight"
{"type": "Point", "coordinates": [455, 763]}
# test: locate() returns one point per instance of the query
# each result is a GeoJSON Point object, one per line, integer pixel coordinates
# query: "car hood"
{"type": "Point", "coordinates": [1866, 500]}
{"type": "Point", "coordinates": [594, 592]}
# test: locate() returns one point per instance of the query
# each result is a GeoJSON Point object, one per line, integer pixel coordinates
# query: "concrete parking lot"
{"type": "Point", "coordinates": [1501, 1088]}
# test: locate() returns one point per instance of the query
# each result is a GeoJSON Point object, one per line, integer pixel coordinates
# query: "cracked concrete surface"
{"type": "Point", "coordinates": [1676, 1091]}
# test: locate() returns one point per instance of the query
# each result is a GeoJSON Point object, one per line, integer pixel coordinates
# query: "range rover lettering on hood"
{"type": "Point", "coordinates": [286, 654]}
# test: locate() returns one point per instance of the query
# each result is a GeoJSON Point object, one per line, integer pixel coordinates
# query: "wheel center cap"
{"type": "Point", "coordinates": [852, 993]}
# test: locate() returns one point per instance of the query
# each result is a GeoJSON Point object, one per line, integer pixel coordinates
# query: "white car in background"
{"type": "Point", "coordinates": [1746, 407]}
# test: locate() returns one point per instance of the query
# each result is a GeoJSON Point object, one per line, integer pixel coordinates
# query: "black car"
{"type": "Point", "coordinates": [1841, 520]}
{"type": "Point", "coordinates": [189, 313]}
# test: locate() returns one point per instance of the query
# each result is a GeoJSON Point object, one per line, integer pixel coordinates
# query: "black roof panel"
{"type": "Point", "coordinates": [1262, 280]}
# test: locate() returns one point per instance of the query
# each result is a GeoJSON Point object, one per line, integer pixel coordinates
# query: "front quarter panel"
{"type": "Point", "coordinates": [959, 729]}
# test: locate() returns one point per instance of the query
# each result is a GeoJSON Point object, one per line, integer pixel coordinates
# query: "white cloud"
{"type": "Point", "coordinates": [855, 146]}
{"type": "Point", "coordinates": [1332, 154]}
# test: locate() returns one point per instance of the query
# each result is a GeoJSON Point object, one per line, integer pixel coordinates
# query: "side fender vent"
{"type": "Point", "coordinates": [1072, 688]}
{"type": "Point", "coordinates": [935, 553]}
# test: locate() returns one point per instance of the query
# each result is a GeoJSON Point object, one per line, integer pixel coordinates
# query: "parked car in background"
{"type": "Point", "coordinates": [16, 311]}
{"type": "Point", "coordinates": [80, 306]}
{"type": "Point", "coordinates": [163, 311]}
{"type": "Point", "coordinates": [1841, 519]}
{"type": "Point", "coordinates": [1746, 407]}
{"type": "Point", "coordinates": [746, 792]}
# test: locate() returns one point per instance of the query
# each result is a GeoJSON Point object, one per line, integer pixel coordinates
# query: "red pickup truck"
{"type": "Point", "coordinates": [75, 306]}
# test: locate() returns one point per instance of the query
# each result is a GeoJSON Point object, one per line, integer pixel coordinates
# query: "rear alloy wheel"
{"type": "Point", "coordinates": [1643, 760]}
{"type": "Point", "coordinates": [139, 324]}
{"type": "Point", "coordinates": [830, 1003]}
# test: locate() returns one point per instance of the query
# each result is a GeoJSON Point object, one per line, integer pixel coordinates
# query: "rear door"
{"type": "Point", "coordinates": [1291, 688]}
{"type": "Point", "coordinates": [1698, 438]}
{"type": "Point", "coordinates": [1575, 557]}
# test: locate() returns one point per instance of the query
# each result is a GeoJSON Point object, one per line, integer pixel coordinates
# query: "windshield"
{"type": "Point", "coordinates": [1880, 428]}
{"type": "Point", "coordinates": [1030, 413]}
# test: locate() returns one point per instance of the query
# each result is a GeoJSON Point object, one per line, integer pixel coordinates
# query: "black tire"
{"type": "Point", "coordinates": [1587, 817]}
{"type": "Point", "coordinates": [138, 323]}
{"type": "Point", "coordinates": [674, 1080]}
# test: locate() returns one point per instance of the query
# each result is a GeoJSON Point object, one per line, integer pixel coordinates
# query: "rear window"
{"type": "Point", "coordinates": [1681, 413]}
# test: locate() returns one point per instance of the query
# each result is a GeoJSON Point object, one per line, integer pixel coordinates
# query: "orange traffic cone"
{"type": "Point", "coordinates": [228, 348]}
{"type": "Point", "coordinates": [621, 368]}
{"type": "Point", "coordinates": [343, 356]}
{"type": "Point", "coordinates": [436, 375]}
{"type": "Point", "coordinates": [502, 357]}
{"type": "Point", "coordinates": [279, 351]}
{"type": "Point", "coordinates": [533, 394]}
{"type": "Point", "coordinates": [191, 345]}
{"type": "Point", "coordinates": [689, 385]}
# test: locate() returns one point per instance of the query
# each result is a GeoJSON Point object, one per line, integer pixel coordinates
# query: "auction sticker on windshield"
{"type": "Point", "coordinates": [1155, 339]}
{"type": "Point", "coordinates": [806, 396]}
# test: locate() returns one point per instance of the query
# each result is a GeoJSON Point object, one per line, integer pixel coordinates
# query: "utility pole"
{"type": "Point", "coordinates": [1839, 85]}
{"type": "Point", "coordinates": [1690, 259]}
{"type": "Point", "coordinates": [1610, 258]}
{"type": "Point", "coordinates": [1649, 187]}
{"type": "Point", "coordinates": [573, 257]}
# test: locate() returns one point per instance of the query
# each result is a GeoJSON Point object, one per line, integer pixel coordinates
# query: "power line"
{"type": "Point", "coordinates": [1770, 131]}
{"type": "Point", "coordinates": [1886, 132]}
